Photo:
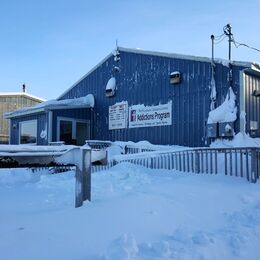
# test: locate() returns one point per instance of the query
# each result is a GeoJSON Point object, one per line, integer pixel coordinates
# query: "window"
{"type": "Point", "coordinates": [73, 131]}
{"type": "Point", "coordinates": [28, 132]}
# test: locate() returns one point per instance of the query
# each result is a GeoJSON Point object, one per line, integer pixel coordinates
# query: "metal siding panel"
{"type": "Point", "coordinates": [83, 113]}
{"type": "Point", "coordinates": [144, 79]}
{"type": "Point", "coordinates": [42, 121]}
{"type": "Point", "coordinates": [252, 103]}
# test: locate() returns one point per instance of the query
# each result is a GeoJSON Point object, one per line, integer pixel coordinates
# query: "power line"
{"type": "Point", "coordinates": [238, 44]}
{"type": "Point", "coordinates": [219, 36]}
{"type": "Point", "coordinates": [221, 40]}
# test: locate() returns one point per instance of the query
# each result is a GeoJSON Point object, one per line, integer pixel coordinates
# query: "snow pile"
{"type": "Point", "coordinates": [239, 140]}
{"type": "Point", "coordinates": [135, 213]}
{"type": "Point", "coordinates": [113, 150]}
{"type": "Point", "coordinates": [227, 112]}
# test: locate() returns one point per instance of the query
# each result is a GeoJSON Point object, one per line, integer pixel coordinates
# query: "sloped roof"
{"type": "Point", "coordinates": [161, 54]}
{"type": "Point", "coordinates": [82, 102]}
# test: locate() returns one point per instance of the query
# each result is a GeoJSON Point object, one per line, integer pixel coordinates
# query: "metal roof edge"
{"type": "Point", "coordinates": [33, 110]}
{"type": "Point", "coordinates": [89, 72]}
{"type": "Point", "coordinates": [22, 94]}
{"type": "Point", "coordinates": [10, 115]}
{"type": "Point", "coordinates": [157, 53]}
{"type": "Point", "coordinates": [183, 56]}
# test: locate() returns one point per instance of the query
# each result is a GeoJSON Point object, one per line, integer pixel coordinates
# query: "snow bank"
{"type": "Point", "coordinates": [239, 140]}
{"type": "Point", "coordinates": [227, 112]}
{"type": "Point", "coordinates": [135, 213]}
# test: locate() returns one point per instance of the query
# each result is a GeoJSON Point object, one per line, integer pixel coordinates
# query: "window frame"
{"type": "Point", "coordinates": [20, 131]}
{"type": "Point", "coordinates": [74, 125]}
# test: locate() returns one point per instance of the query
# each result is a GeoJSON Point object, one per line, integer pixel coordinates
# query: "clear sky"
{"type": "Point", "coordinates": [50, 44]}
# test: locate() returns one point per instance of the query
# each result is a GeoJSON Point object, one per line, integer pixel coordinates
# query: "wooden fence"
{"type": "Point", "coordinates": [243, 162]}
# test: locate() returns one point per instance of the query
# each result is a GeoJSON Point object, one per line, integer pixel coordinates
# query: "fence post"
{"type": "Point", "coordinates": [253, 165]}
{"type": "Point", "coordinates": [83, 176]}
{"type": "Point", "coordinates": [197, 162]}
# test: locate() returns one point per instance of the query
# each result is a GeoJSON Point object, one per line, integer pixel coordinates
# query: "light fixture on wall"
{"type": "Point", "coordinates": [175, 77]}
{"type": "Point", "coordinates": [111, 87]}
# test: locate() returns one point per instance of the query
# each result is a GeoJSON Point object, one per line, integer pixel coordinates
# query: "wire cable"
{"type": "Point", "coordinates": [238, 44]}
{"type": "Point", "coordinates": [219, 36]}
{"type": "Point", "coordinates": [221, 40]}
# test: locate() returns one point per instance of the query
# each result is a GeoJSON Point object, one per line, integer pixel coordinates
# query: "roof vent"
{"type": "Point", "coordinates": [111, 87]}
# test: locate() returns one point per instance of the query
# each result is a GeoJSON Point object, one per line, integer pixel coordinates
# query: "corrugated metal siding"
{"type": "Point", "coordinates": [252, 103]}
{"type": "Point", "coordinates": [9, 103]}
{"type": "Point", "coordinates": [42, 124]}
{"type": "Point", "coordinates": [144, 79]}
{"type": "Point", "coordinates": [71, 113]}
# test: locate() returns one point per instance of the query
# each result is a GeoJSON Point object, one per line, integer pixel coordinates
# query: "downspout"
{"type": "Point", "coordinates": [242, 101]}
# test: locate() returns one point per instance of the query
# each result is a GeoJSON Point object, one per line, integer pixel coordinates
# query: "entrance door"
{"type": "Point", "coordinates": [66, 131]}
{"type": "Point", "coordinates": [73, 131]}
{"type": "Point", "coordinates": [82, 133]}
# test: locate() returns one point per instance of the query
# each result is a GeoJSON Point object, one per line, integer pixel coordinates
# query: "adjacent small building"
{"type": "Point", "coordinates": [12, 101]}
{"type": "Point", "coordinates": [134, 95]}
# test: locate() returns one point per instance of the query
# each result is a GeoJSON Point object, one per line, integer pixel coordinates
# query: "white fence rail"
{"type": "Point", "coordinates": [242, 162]}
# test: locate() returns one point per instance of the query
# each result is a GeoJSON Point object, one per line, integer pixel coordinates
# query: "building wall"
{"type": "Point", "coordinates": [42, 125]}
{"type": "Point", "coordinates": [144, 79]}
{"type": "Point", "coordinates": [9, 104]}
{"type": "Point", "coordinates": [70, 113]}
{"type": "Point", "coordinates": [252, 104]}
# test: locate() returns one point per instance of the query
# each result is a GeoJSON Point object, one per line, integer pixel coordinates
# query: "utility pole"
{"type": "Point", "coordinates": [212, 37]}
{"type": "Point", "coordinates": [227, 31]}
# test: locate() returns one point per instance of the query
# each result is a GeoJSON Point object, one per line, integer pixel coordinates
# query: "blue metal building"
{"type": "Point", "coordinates": [141, 95]}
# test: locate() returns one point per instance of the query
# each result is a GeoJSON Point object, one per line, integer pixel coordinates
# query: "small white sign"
{"type": "Point", "coordinates": [118, 114]}
{"type": "Point", "coordinates": [148, 116]}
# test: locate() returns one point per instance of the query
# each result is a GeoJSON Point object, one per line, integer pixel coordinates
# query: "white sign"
{"type": "Point", "coordinates": [146, 116]}
{"type": "Point", "coordinates": [118, 114]}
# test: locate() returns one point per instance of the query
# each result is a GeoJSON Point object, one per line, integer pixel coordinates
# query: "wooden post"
{"type": "Point", "coordinates": [83, 176]}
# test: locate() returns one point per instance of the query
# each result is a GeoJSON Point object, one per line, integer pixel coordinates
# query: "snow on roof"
{"type": "Point", "coordinates": [86, 102]}
{"type": "Point", "coordinates": [161, 54]}
{"type": "Point", "coordinates": [24, 94]}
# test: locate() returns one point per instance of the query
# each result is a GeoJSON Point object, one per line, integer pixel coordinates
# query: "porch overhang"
{"type": "Point", "coordinates": [82, 102]}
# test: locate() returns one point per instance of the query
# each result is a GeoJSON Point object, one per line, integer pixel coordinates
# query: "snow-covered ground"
{"type": "Point", "coordinates": [135, 213]}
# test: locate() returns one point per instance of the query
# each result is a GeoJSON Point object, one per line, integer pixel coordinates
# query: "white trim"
{"type": "Point", "coordinates": [89, 72]}
{"type": "Point", "coordinates": [24, 94]}
{"type": "Point", "coordinates": [50, 116]}
{"type": "Point", "coordinates": [35, 120]}
{"type": "Point", "coordinates": [183, 56]}
{"type": "Point", "coordinates": [74, 125]}
{"type": "Point", "coordinates": [242, 100]}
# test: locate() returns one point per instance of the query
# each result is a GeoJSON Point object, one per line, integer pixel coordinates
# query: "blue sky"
{"type": "Point", "coordinates": [49, 45]}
